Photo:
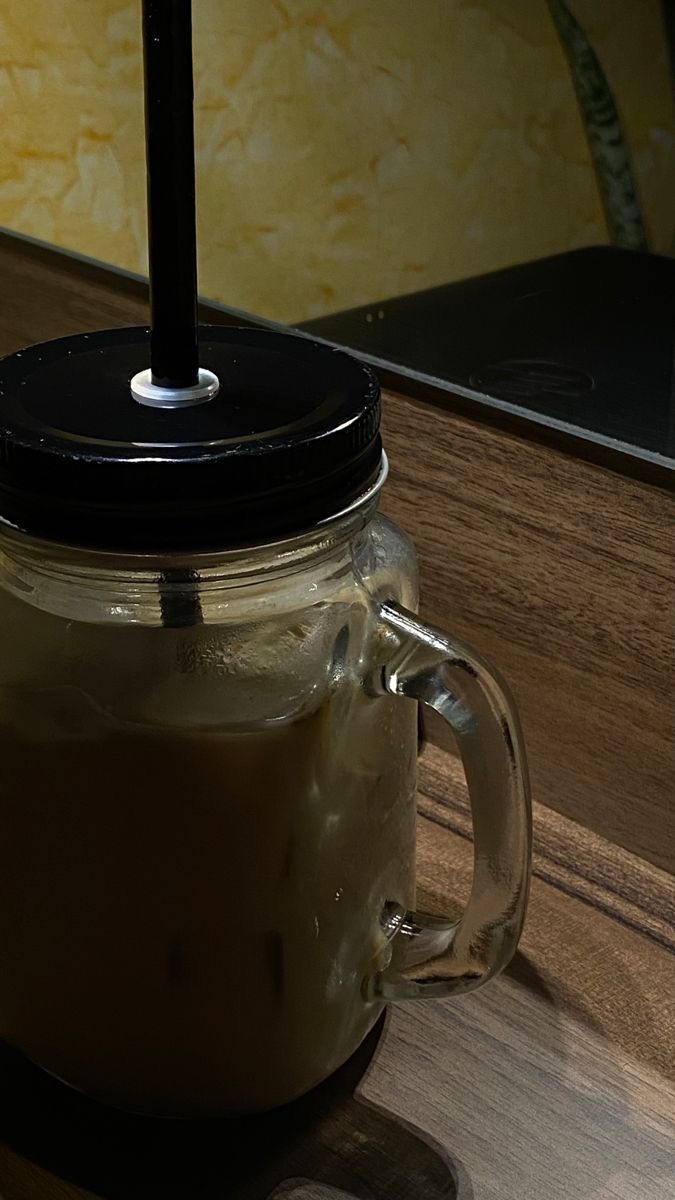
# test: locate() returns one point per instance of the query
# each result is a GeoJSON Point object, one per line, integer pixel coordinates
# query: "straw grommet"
{"type": "Point", "coordinates": [153, 396]}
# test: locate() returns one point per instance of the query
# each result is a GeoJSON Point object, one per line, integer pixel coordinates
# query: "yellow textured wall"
{"type": "Point", "coordinates": [347, 149]}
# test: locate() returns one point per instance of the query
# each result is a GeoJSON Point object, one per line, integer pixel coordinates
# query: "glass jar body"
{"type": "Point", "coordinates": [206, 812]}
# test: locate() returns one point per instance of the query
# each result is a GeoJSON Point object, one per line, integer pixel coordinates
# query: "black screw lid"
{"type": "Point", "coordinates": [291, 438]}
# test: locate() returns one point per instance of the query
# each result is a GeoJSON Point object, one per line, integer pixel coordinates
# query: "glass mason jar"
{"type": "Point", "coordinates": [208, 750]}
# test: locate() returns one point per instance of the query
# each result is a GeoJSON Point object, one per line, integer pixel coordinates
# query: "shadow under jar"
{"type": "Point", "coordinates": [208, 700]}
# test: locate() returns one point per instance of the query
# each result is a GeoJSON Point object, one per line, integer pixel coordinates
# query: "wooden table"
{"type": "Point", "coordinates": [554, 1083]}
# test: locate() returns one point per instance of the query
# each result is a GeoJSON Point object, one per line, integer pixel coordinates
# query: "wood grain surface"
{"type": "Point", "coordinates": [48, 295]}
{"type": "Point", "coordinates": [556, 1082]}
{"type": "Point", "coordinates": [563, 575]}
{"type": "Point", "coordinates": [568, 855]}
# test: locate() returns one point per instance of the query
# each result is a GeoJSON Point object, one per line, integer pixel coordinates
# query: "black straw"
{"type": "Point", "coordinates": [170, 152]}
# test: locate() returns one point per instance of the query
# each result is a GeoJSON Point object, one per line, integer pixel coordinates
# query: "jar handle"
{"type": "Point", "coordinates": [443, 958]}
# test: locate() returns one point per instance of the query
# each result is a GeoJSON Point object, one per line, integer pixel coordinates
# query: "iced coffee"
{"type": "Point", "coordinates": [190, 908]}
